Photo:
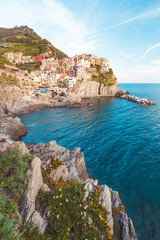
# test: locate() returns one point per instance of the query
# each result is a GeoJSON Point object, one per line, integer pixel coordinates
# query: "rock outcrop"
{"type": "Point", "coordinates": [14, 101]}
{"type": "Point", "coordinates": [7, 145]}
{"type": "Point", "coordinates": [73, 160]}
{"type": "Point", "coordinates": [125, 226]}
{"type": "Point", "coordinates": [89, 88]}
{"type": "Point", "coordinates": [107, 203]}
{"type": "Point", "coordinates": [12, 127]}
{"type": "Point", "coordinates": [35, 182]}
{"type": "Point", "coordinates": [61, 171]}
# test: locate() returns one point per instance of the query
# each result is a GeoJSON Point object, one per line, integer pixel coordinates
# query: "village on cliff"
{"type": "Point", "coordinates": [55, 73]}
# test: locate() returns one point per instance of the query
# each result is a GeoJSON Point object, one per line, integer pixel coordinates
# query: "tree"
{"type": "Point", "coordinates": [110, 71]}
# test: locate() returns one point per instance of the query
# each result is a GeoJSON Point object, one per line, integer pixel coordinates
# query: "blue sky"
{"type": "Point", "coordinates": [126, 32]}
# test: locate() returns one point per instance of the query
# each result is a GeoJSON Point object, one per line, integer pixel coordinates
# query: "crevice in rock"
{"type": "Point", "coordinates": [99, 89]}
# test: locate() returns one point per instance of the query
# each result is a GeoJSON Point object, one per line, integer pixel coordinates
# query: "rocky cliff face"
{"type": "Point", "coordinates": [73, 168]}
{"type": "Point", "coordinates": [88, 88]}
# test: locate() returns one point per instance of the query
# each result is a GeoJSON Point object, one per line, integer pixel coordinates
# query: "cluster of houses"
{"type": "Point", "coordinates": [64, 72]}
{"type": "Point", "coordinates": [18, 57]}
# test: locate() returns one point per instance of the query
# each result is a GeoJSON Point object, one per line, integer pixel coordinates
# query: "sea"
{"type": "Point", "coordinates": [121, 144]}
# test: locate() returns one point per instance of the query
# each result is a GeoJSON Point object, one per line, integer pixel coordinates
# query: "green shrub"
{"type": "Point", "coordinates": [54, 164]}
{"type": "Point", "coordinates": [72, 215]}
{"type": "Point", "coordinates": [110, 71]}
{"type": "Point", "coordinates": [9, 221]}
{"type": "Point", "coordinates": [8, 207]}
{"type": "Point", "coordinates": [9, 228]}
{"type": "Point", "coordinates": [13, 168]}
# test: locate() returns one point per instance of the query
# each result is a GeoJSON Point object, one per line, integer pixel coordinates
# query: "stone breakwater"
{"type": "Point", "coordinates": [73, 168]}
{"type": "Point", "coordinates": [141, 101]}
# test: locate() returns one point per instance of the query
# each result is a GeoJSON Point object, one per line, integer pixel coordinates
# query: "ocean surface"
{"type": "Point", "coordinates": [121, 144]}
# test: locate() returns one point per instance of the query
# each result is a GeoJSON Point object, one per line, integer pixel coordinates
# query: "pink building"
{"type": "Point", "coordinates": [38, 57]}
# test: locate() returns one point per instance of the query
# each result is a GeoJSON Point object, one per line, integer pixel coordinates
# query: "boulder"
{"type": "Point", "coordinates": [45, 188]}
{"type": "Point", "coordinates": [89, 186]}
{"type": "Point", "coordinates": [39, 221]}
{"type": "Point", "coordinates": [7, 145]}
{"type": "Point", "coordinates": [12, 127]}
{"type": "Point", "coordinates": [119, 94]}
{"type": "Point", "coordinates": [61, 171]}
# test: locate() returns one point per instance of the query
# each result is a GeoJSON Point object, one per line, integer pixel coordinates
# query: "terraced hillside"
{"type": "Point", "coordinates": [24, 39]}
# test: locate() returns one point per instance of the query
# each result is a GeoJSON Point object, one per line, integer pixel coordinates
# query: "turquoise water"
{"type": "Point", "coordinates": [121, 144]}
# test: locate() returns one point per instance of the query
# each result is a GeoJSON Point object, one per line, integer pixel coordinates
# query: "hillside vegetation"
{"type": "Point", "coordinates": [106, 78]}
{"type": "Point", "coordinates": [24, 39]}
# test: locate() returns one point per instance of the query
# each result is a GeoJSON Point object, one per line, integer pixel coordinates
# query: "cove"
{"type": "Point", "coordinates": [120, 141]}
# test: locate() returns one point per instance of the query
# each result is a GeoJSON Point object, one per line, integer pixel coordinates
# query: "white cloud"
{"type": "Point", "coordinates": [150, 49]}
{"type": "Point", "coordinates": [141, 73]}
{"type": "Point", "coordinates": [154, 13]}
{"type": "Point", "coordinates": [157, 61]}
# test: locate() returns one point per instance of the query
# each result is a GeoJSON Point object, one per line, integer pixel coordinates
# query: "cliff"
{"type": "Point", "coordinates": [89, 88]}
{"type": "Point", "coordinates": [96, 83]}
{"type": "Point", "coordinates": [45, 187]}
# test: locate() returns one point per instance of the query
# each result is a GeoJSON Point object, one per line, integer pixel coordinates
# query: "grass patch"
{"type": "Point", "coordinates": [13, 168]}
{"type": "Point", "coordinates": [3, 61]}
{"type": "Point", "coordinates": [31, 66]}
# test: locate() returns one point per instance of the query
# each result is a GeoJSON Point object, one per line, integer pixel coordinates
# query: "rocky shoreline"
{"type": "Point", "coordinates": [12, 103]}
{"type": "Point", "coordinates": [11, 129]}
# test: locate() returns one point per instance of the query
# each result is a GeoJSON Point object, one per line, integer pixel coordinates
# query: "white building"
{"type": "Point", "coordinates": [70, 82]}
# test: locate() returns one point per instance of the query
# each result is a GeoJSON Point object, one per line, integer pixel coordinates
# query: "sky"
{"type": "Point", "coordinates": [126, 32]}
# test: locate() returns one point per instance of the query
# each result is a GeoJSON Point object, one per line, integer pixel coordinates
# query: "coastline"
{"type": "Point", "coordinates": [69, 158]}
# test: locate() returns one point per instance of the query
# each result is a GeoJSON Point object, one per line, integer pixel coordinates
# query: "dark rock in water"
{"type": "Point", "coordinates": [89, 104]}
{"type": "Point", "coordinates": [127, 92]}
{"type": "Point", "coordinates": [141, 101]}
{"type": "Point", "coordinates": [125, 226]}
{"type": "Point", "coordinates": [120, 93]}
{"type": "Point", "coordinates": [12, 127]}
